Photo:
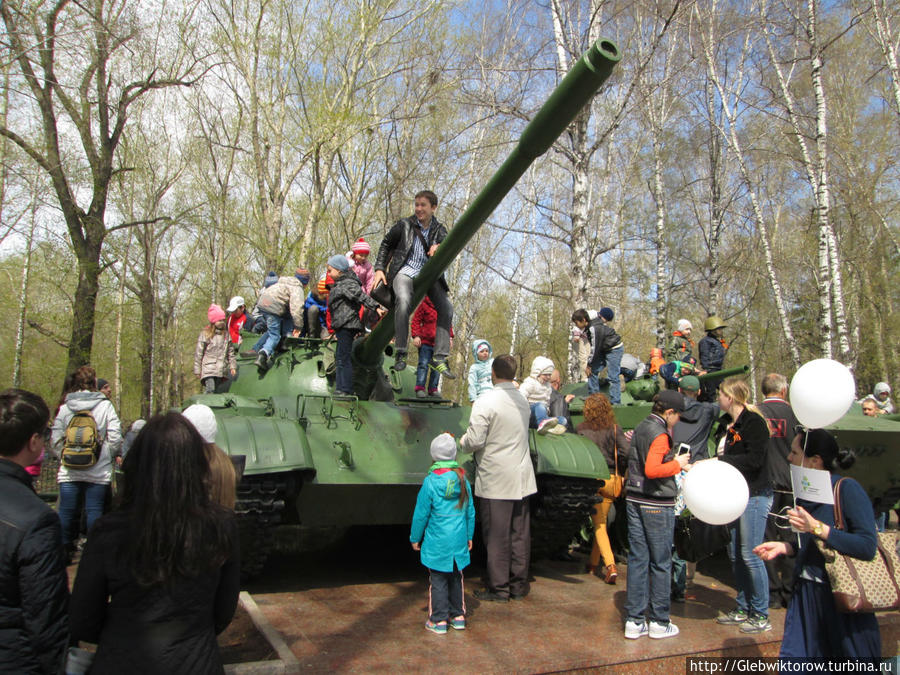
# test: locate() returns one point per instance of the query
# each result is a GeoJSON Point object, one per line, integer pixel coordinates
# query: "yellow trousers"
{"type": "Point", "coordinates": [602, 547]}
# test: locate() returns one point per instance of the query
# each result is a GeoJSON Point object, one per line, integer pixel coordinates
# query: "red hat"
{"type": "Point", "coordinates": [215, 313]}
{"type": "Point", "coordinates": [361, 246]}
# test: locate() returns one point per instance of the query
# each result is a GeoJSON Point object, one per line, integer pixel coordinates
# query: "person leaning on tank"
{"type": "Point", "coordinates": [403, 253]}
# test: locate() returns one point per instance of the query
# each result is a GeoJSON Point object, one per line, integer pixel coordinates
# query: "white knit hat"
{"type": "Point", "coordinates": [684, 324]}
{"type": "Point", "coordinates": [443, 448]}
{"type": "Point", "coordinates": [204, 421]}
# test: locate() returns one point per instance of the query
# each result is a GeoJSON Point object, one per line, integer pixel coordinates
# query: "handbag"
{"type": "Point", "coordinates": [382, 294]}
{"type": "Point", "coordinates": [863, 585]}
{"type": "Point", "coordinates": [695, 540]}
{"type": "Point", "coordinates": [612, 486]}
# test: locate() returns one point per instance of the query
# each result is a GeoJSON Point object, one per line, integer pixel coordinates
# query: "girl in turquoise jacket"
{"type": "Point", "coordinates": [442, 529]}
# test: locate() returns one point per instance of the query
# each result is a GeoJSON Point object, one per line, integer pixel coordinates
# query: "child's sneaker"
{"type": "Point", "coordinates": [559, 429]}
{"type": "Point", "coordinates": [420, 393]}
{"type": "Point", "coordinates": [733, 618]}
{"type": "Point", "coordinates": [658, 631]}
{"type": "Point", "coordinates": [459, 623]}
{"type": "Point", "coordinates": [635, 629]}
{"type": "Point", "coordinates": [441, 368]}
{"type": "Point", "coordinates": [440, 628]}
{"type": "Point", "coordinates": [546, 425]}
{"type": "Point", "coordinates": [756, 624]}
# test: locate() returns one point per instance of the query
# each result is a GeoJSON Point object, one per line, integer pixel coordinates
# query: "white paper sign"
{"type": "Point", "coordinates": [813, 485]}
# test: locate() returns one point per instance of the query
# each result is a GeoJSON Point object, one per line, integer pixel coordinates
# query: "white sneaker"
{"type": "Point", "coordinates": [634, 629]}
{"type": "Point", "coordinates": [663, 630]}
{"type": "Point", "coordinates": [546, 425]}
{"type": "Point", "coordinates": [559, 429]}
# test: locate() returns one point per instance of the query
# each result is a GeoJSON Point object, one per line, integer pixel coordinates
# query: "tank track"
{"type": "Point", "coordinates": [259, 506]}
{"type": "Point", "coordinates": [559, 511]}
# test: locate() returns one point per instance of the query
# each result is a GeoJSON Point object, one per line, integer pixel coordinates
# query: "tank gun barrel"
{"type": "Point", "coordinates": [727, 372]}
{"type": "Point", "coordinates": [571, 95]}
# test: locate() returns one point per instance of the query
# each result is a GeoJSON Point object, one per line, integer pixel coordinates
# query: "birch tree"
{"type": "Point", "coordinates": [815, 163]}
{"type": "Point", "coordinates": [729, 94]}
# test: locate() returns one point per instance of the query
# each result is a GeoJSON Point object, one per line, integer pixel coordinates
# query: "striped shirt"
{"type": "Point", "coordinates": [417, 257]}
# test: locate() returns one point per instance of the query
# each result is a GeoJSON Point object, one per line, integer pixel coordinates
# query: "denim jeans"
{"type": "Point", "coordinates": [539, 413]}
{"type": "Point", "coordinates": [270, 339]}
{"type": "Point", "coordinates": [679, 576]}
{"type": "Point", "coordinates": [403, 289]}
{"type": "Point", "coordinates": [650, 533]}
{"type": "Point", "coordinates": [343, 380]}
{"type": "Point", "coordinates": [750, 574]}
{"type": "Point", "coordinates": [423, 373]}
{"type": "Point", "coordinates": [445, 595]}
{"type": "Point", "coordinates": [69, 495]}
{"type": "Point", "coordinates": [612, 361]}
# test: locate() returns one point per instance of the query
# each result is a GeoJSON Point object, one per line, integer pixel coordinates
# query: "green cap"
{"type": "Point", "coordinates": [689, 383]}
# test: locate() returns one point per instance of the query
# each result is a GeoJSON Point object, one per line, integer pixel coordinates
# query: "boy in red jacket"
{"type": "Point", "coordinates": [422, 329]}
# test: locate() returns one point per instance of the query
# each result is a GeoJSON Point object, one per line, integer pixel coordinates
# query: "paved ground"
{"type": "Point", "coordinates": [361, 606]}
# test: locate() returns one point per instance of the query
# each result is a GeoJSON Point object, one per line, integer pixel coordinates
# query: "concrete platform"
{"type": "Point", "coordinates": [362, 607]}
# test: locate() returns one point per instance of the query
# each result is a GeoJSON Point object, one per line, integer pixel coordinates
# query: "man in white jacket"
{"type": "Point", "coordinates": [504, 478]}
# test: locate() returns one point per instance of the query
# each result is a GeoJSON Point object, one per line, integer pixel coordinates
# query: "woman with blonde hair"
{"type": "Point", "coordinates": [600, 426]}
{"type": "Point", "coordinates": [744, 445]}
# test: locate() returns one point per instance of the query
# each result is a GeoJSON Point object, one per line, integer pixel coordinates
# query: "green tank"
{"type": "Point", "coordinates": [876, 443]}
{"type": "Point", "coordinates": [314, 460]}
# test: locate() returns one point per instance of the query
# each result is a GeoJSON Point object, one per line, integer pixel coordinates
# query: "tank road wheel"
{"type": "Point", "coordinates": [558, 512]}
{"type": "Point", "coordinates": [260, 502]}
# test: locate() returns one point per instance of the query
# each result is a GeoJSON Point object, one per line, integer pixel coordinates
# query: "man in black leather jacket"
{"type": "Point", "coordinates": [401, 256]}
{"type": "Point", "coordinates": [34, 589]}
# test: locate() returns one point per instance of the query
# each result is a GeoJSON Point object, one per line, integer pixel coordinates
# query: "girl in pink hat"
{"type": "Point", "coordinates": [214, 353]}
{"type": "Point", "coordinates": [359, 263]}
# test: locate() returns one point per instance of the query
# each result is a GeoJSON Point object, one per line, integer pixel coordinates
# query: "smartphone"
{"type": "Point", "coordinates": [683, 449]}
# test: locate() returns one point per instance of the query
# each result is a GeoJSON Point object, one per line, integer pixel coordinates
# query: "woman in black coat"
{"type": "Point", "coordinates": [159, 578]}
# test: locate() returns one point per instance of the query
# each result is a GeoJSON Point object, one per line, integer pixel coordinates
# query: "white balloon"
{"type": "Point", "coordinates": [715, 492]}
{"type": "Point", "coordinates": [822, 392]}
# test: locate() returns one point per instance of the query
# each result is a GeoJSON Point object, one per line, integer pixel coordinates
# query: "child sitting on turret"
{"type": "Point", "coordinates": [344, 301]}
{"type": "Point", "coordinates": [537, 390]}
{"type": "Point", "coordinates": [442, 529]}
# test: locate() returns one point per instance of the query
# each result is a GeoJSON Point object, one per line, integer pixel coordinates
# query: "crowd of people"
{"type": "Point", "coordinates": [158, 578]}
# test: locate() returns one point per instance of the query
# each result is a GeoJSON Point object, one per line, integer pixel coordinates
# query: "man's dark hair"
{"type": "Point", "coordinates": [580, 315]}
{"type": "Point", "coordinates": [429, 195]}
{"type": "Point", "coordinates": [22, 415]}
{"type": "Point", "coordinates": [773, 383]}
{"type": "Point", "coordinates": [176, 529]}
{"type": "Point", "coordinates": [659, 408]}
{"type": "Point", "coordinates": [505, 366]}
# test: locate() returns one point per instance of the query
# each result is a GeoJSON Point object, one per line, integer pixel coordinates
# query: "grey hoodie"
{"type": "Point", "coordinates": [108, 427]}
